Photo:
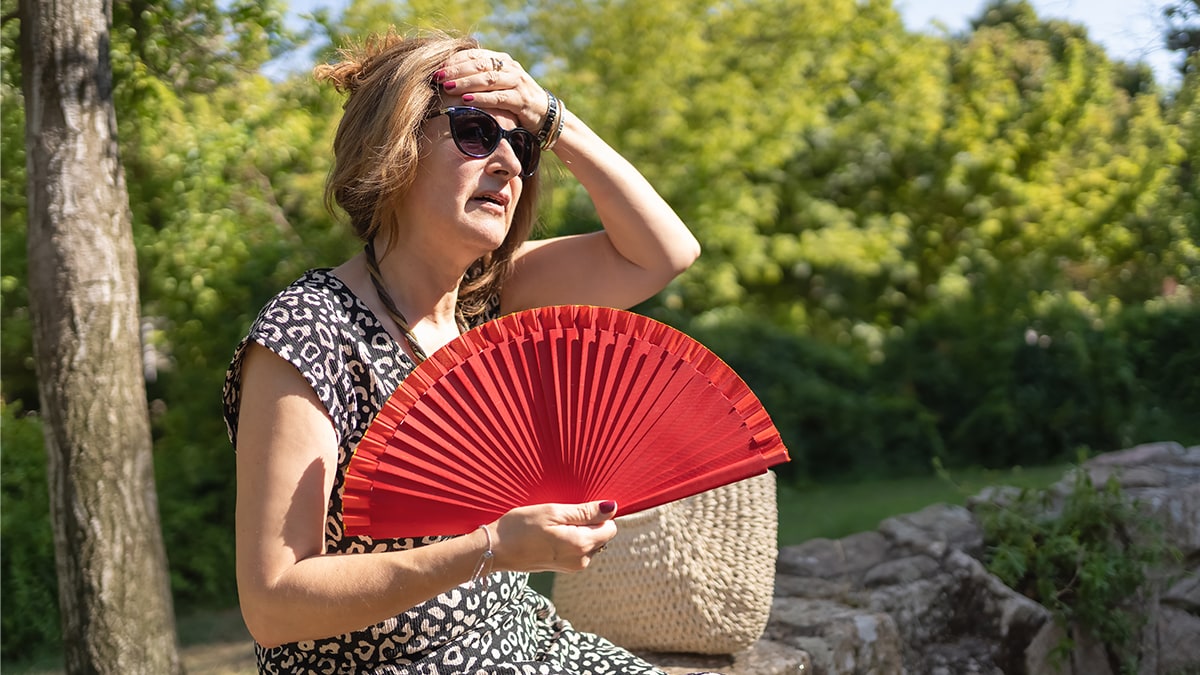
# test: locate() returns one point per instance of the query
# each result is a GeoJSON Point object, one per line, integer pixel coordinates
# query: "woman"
{"type": "Point", "coordinates": [436, 168]}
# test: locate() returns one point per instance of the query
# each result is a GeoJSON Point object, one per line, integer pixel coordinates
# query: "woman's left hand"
{"type": "Point", "coordinates": [488, 79]}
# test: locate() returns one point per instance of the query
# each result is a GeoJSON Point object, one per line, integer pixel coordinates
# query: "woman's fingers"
{"type": "Point", "coordinates": [554, 537]}
{"type": "Point", "coordinates": [480, 70]}
{"type": "Point", "coordinates": [489, 79]}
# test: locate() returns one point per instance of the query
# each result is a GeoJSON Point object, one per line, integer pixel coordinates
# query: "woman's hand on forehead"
{"type": "Point", "coordinates": [489, 79]}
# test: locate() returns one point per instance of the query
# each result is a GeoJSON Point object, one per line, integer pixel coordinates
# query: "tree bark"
{"type": "Point", "coordinates": [114, 591]}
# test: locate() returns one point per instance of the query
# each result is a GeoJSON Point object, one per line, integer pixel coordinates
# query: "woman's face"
{"type": "Point", "coordinates": [461, 201]}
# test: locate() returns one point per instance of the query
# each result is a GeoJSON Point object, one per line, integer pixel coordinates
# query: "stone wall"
{"type": "Point", "coordinates": [913, 597]}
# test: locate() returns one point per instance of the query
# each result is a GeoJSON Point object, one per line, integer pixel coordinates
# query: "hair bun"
{"type": "Point", "coordinates": [345, 76]}
{"type": "Point", "coordinates": [357, 61]}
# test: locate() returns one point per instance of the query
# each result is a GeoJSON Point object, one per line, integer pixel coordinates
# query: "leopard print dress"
{"type": "Point", "coordinates": [319, 326]}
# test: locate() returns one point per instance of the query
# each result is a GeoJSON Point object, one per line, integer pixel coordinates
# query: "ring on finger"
{"type": "Point", "coordinates": [497, 64]}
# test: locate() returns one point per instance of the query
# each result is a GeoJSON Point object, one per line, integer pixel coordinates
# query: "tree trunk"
{"type": "Point", "coordinates": [114, 592]}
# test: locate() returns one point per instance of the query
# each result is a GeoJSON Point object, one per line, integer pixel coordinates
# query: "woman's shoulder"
{"type": "Point", "coordinates": [317, 286]}
{"type": "Point", "coordinates": [318, 295]}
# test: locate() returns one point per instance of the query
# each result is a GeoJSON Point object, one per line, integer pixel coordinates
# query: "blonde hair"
{"type": "Point", "coordinates": [388, 80]}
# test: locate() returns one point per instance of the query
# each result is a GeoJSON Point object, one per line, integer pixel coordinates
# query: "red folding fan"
{"type": "Point", "coordinates": [562, 404]}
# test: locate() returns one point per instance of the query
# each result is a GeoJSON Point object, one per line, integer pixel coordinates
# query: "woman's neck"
{"type": "Point", "coordinates": [424, 292]}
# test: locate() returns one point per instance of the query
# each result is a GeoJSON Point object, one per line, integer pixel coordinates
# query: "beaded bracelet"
{"type": "Point", "coordinates": [548, 125]}
{"type": "Point", "coordinates": [485, 561]}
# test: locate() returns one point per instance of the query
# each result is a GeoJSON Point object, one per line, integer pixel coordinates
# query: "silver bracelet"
{"type": "Point", "coordinates": [548, 125]}
{"type": "Point", "coordinates": [484, 568]}
{"type": "Point", "coordinates": [562, 118]}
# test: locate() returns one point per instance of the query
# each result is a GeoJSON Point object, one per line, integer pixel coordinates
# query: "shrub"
{"type": "Point", "coordinates": [833, 419]}
{"type": "Point", "coordinates": [30, 621]}
{"type": "Point", "coordinates": [1085, 559]}
{"type": "Point", "coordinates": [1016, 386]}
{"type": "Point", "coordinates": [1163, 351]}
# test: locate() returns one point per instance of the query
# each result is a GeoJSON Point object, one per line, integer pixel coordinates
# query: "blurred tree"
{"type": "Point", "coordinates": [1183, 31]}
{"type": "Point", "coordinates": [200, 45]}
{"type": "Point", "coordinates": [114, 593]}
{"type": "Point", "coordinates": [1058, 168]}
{"type": "Point", "coordinates": [225, 179]}
{"type": "Point", "coordinates": [730, 110]}
{"type": "Point", "coordinates": [16, 349]}
{"type": "Point", "coordinates": [884, 212]}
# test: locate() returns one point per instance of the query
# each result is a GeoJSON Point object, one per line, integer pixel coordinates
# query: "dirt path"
{"type": "Point", "coordinates": [220, 658]}
{"type": "Point", "coordinates": [216, 643]}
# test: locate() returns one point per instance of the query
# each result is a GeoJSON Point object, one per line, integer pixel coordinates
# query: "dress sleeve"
{"type": "Point", "coordinates": [300, 325]}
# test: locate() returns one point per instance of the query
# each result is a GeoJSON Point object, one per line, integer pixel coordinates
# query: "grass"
{"type": "Point", "coordinates": [837, 509]}
{"type": "Point", "coordinates": [216, 643]}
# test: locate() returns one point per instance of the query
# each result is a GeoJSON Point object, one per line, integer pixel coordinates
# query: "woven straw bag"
{"type": "Point", "coordinates": [694, 576]}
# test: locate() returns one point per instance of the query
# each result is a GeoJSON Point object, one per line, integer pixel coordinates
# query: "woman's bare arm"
{"type": "Point", "coordinates": [289, 589]}
{"type": "Point", "coordinates": [642, 247]}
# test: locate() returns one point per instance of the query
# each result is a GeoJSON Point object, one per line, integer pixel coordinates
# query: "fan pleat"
{"type": "Point", "coordinates": [515, 427]}
{"type": "Point", "coordinates": [635, 389]}
{"type": "Point", "coordinates": [450, 456]}
{"type": "Point", "coordinates": [653, 400]}
{"type": "Point", "coordinates": [550, 358]}
{"type": "Point", "coordinates": [600, 420]}
{"type": "Point", "coordinates": [613, 394]}
{"type": "Point", "coordinates": [558, 404]}
{"type": "Point", "coordinates": [583, 347]}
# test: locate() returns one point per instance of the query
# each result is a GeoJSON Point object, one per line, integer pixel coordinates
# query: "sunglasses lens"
{"type": "Point", "coordinates": [525, 146]}
{"type": "Point", "coordinates": [476, 132]}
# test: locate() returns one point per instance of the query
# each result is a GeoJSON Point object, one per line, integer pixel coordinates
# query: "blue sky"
{"type": "Point", "coordinates": [1129, 30]}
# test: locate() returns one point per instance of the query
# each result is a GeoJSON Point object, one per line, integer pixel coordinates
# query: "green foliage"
{"type": "Point", "coordinates": [834, 419]}
{"type": "Point", "coordinates": [16, 347]}
{"type": "Point", "coordinates": [1163, 352]}
{"type": "Point", "coordinates": [980, 249]}
{"type": "Point", "coordinates": [27, 572]}
{"type": "Point", "coordinates": [1084, 558]}
{"type": "Point", "coordinates": [196, 45]}
{"type": "Point", "coordinates": [1017, 386]}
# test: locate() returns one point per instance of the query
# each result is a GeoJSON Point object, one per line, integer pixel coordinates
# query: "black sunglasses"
{"type": "Point", "coordinates": [478, 134]}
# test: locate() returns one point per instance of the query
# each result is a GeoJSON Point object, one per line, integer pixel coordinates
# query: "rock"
{"type": "Point", "coordinates": [853, 641]}
{"type": "Point", "coordinates": [1178, 509]}
{"type": "Point", "coordinates": [900, 571]}
{"type": "Point", "coordinates": [845, 558]}
{"type": "Point", "coordinates": [1178, 641]}
{"type": "Point", "coordinates": [934, 530]}
{"type": "Point", "coordinates": [915, 597]}
{"type": "Point", "coordinates": [1164, 478]}
{"type": "Point", "coordinates": [840, 639]}
{"type": "Point", "coordinates": [1088, 657]}
{"type": "Point", "coordinates": [1147, 453]}
{"type": "Point", "coordinates": [763, 658]}
{"type": "Point", "coordinates": [966, 655]}
{"type": "Point", "coordinates": [789, 586]}
{"type": "Point", "coordinates": [1184, 594]}
{"type": "Point", "coordinates": [960, 603]}
{"type": "Point", "coordinates": [772, 658]}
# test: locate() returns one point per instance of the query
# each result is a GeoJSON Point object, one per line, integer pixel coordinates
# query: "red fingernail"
{"type": "Point", "coordinates": [448, 85]}
{"type": "Point", "coordinates": [439, 76]}
{"type": "Point", "coordinates": [608, 506]}
{"type": "Point", "coordinates": [468, 97]}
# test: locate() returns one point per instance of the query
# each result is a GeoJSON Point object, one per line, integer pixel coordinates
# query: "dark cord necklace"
{"type": "Point", "coordinates": [390, 306]}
